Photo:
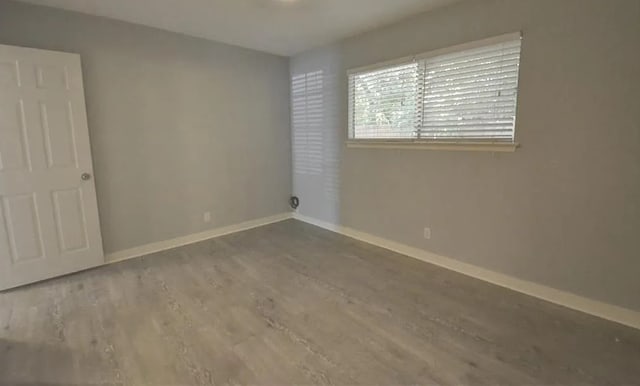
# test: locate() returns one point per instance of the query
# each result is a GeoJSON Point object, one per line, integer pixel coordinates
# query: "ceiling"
{"type": "Point", "coordinates": [283, 27]}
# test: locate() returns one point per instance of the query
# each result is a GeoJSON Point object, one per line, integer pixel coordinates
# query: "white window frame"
{"type": "Point", "coordinates": [416, 143]}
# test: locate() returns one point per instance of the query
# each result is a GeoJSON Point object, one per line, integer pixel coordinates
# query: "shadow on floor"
{"type": "Point", "coordinates": [23, 363]}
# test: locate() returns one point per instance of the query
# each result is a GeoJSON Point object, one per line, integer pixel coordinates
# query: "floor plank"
{"type": "Point", "coordinates": [290, 303]}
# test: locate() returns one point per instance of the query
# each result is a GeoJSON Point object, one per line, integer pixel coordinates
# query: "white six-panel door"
{"type": "Point", "coordinates": [48, 213]}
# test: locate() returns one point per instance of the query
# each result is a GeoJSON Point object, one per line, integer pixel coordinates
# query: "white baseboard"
{"type": "Point", "coordinates": [603, 310]}
{"type": "Point", "coordinates": [193, 238]}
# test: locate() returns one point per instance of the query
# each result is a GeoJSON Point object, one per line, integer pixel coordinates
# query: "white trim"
{"type": "Point", "coordinates": [505, 147]}
{"type": "Point", "coordinates": [193, 238]}
{"type": "Point", "coordinates": [440, 51]}
{"type": "Point", "coordinates": [603, 310]}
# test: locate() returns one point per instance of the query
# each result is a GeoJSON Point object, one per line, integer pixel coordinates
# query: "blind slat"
{"type": "Point", "coordinates": [477, 52]}
{"type": "Point", "coordinates": [471, 106]}
{"type": "Point", "coordinates": [501, 83]}
{"type": "Point", "coordinates": [496, 90]}
{"type": "Point", "coordinates": [390, 71]}
{"type": "Point", "coordinates": [477, 61]}
{"type": "Point", "coordinates": [491, 68]}
{"type": "Point", "coordinates": [471, 102]}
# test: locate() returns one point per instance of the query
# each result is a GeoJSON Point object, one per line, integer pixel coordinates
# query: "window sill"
{"type": "Point", "coordinates": [425, 145]}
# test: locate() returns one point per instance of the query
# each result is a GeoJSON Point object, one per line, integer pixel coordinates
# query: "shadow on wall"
{"type": "Point", "coordinates": [315, 142]}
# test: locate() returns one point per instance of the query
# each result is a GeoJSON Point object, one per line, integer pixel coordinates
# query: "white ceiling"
{"type": "Point", "coordinates": [283, 27]}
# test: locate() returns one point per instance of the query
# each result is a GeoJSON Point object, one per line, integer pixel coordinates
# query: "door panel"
{"type": "Point", "coordinates": [8, 73]}
{"type": "Point", "coordinates": [71, 226]}
{"type": "Point", "coordinates": [52, 77]}
{"type": "Point", "coordinates": [56, 118]}
{"type": "Point", "coordinates": [49, 223]}
{"type": "Point", "coordinates": [22, 227]}
{"type": "Point", "coordinates": [13, 146]}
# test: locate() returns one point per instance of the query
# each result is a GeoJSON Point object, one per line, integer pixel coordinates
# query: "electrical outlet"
{"type": "Point", "coordinates": [427, 233]}
{"type": "Point", "coordinates": [206, 217]}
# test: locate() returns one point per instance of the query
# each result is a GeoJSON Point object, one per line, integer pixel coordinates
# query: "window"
{"type": "Point", "coordinates": [464, 94]}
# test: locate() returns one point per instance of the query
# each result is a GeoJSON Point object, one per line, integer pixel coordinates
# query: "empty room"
{"type": "Point", "coordinates": [319, 192]}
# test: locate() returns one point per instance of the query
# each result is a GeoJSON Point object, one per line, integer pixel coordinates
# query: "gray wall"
{"type": "Point", "coordinates": [178, 125]}
{"type": "Point", "coordinates": [564, 210]}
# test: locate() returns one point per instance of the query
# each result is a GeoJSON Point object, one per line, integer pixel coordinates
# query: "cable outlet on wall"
{"type": "Point", "coordinates": [206, 217]}
{"type": "Point", "coordinates": [427, 233]}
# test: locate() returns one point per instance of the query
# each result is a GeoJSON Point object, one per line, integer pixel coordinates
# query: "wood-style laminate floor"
{"type": "Point", "coordinates": [291, 304]}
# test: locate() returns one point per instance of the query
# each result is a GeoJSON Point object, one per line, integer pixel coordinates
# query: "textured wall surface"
{"type": "Point", "coordinates": [564, 209]}
{"type": "Point", "coordinates": [178, 125]}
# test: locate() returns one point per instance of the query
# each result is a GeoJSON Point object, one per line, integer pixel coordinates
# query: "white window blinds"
{"type": "Point", "coordinates": [384, 102]}
{"type": "Point", "coordinates": [467, 94]}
